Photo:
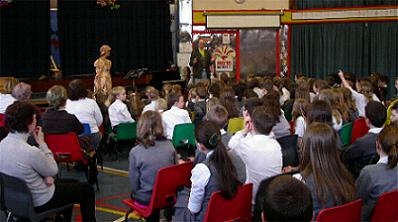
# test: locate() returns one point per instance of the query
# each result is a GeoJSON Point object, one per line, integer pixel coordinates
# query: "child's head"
{"type": "Point", "coordinates": [149, 128]}
{"type": "Point", "coordinates": [201, 92]}
{"type": "Point", "coordinates": [319, 111]}
{"type": "Point", "coordinates": [118, 92]}
{"type": "Point", "coordinates": [151, 93]}
{"type": "Point", "coordinates": [387, 142]}
{"type": "Point", "coordinates": [192, 94]}
{"type": "Point", "coordinates": [287, 199]}
{"type": "Point", "coordinates": [365, 87]}
{"type": "Point", "coordinates": [263, 120]}
{"type": "Point", "coordinates": [299, 108]}
{"type": "Point", "coordinates": [376, 113]}
{"type": "Point", "coordinates": [175, 99]}
{"type": "Point", "coordinates": [218, 115]}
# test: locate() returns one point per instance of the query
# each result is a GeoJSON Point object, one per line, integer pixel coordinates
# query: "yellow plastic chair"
{"type": "Point", "coordinates": [235, 124]}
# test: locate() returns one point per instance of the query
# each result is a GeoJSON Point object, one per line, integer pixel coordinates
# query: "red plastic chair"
{"type": "Point", "coordinates": [359, 129]}
{"type": "Point", "coordinates": [386, 209]}
{"type": "Point", "coordinates": [347, 212]}
{"type": "Point", "coordinates": [235, 209]}
{"type": "Point", "coordinates": [1, 120]}
{"type": "Point", "coordinates": [65, 147]}
{"type": "Point", "coordinates": [167, 181]}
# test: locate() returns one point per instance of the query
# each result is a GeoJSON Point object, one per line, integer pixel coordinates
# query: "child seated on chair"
{"type": "Point", "coordinates": [176, 114]}
{"type": "Point", "coordinates": [118, 111]}
{"type": "Point", "coordinates": [215, 173]}
{"type": "Point", "coordinates": [257, 147]}
{"type": "Point", "coordinates": [283, 198]}
{"type": "Point", "coordinates": [151, 154]}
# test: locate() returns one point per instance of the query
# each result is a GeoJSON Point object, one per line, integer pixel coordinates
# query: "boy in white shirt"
{"type": "Point", "coordinates": [175, 115]}
{"type": "Point", "coordinates": [258, 149]}
{"type": "Point", "coordinates": [118, 112]}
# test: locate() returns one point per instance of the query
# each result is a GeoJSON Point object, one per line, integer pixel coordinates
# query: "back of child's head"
{"type": "Point", "coordinates": [287, 199]}
{"type": "Point", "coordinates": [172, 98]}
{"type": "Point", "coordinates": [149, 128]}
{"type": "Point", "coordinates": [299, 108]}
{"type": "Point", "coordinates": [251, 104]}
{"type": "Point", "coordinates": [218, 115]}
{"type": "Point", "coordinates": [376, 113]}
{"type": "Point", "coordinates": [388, 141]}
{"type": "Point", "coordinates": [263, 120]}
{"type": "Point", "coordinates": [201, 92]}
{"type": "Point", "coordinates": [116, 91]}
{"type": "Point", "coordinates": [319, 111]}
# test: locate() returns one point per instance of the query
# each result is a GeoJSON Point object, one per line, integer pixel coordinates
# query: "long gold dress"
{"type": "Point", "coordinates": [102, 80]}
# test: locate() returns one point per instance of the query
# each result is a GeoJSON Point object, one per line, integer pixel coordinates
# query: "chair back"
{"type": "Point", "coordinates": [1, 119]}
{"type": "Point", "coordinates": [235, 124]}
{"type": "Point", "coordinates": [386, 208]}
{"type": "Point", "coordinates": [126, 131]}
{"type": "Point", "coordinates": [167, 182]}
{"type": "Point", "coordinates": [236, 209]}
{"type": "Point", "coordinates": [65, 147]}
{"type": "Point", "coordinates": [183, 134]}
{"type": "Point", "coordinates": [289, 150]}
{"type": "Point", "coordinates": [359, 129]}
{"type": "Point", "coordinates": [87, 129]}
{"type": "Point", "coordinates": [347, 212]}
{"type": "Point", "coordinates": [17, 199]}
{"type": "Point", "coordinates": [345, 134]}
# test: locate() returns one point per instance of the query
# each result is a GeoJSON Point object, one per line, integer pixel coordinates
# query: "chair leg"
{"type": "Point", "coordinates": [127, 215]}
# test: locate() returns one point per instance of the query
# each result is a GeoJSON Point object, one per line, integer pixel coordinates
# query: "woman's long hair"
{"type": "Point", "coordinates": [208, 134]}
{"type": "Point", "coordinates": [320, 159]}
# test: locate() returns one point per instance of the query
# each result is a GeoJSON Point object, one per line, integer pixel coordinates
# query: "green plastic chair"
{"type": "Point", "coordinates": [125, 131]}
{"type": "Point", "coordinates": [345, 134]}
{"type": "Point", "coordinates": [235, 124]}
{"type": "Point", "coordinates": [183, 135]}
{"type": "Point", "coordinates": [184, 140]}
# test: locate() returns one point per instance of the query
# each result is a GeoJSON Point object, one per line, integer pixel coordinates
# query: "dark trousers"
{"type": "Point", "coordinates": [71, 191]}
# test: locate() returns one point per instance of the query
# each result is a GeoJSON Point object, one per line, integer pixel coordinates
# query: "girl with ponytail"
{"type": "Point", "coordinates": [379, 178]}
{"type": "Point", "coordinates": [215, 173]}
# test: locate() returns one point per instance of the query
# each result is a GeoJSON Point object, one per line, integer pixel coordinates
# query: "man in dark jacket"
{"type": "Point", "coordinates": [200, 61]}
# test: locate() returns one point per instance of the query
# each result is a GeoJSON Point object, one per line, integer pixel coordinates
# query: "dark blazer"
{"type": "Point", "coordinates": [197, 67]}
{"type": "Point", "coordinates": [361, 153]}
{"type": "Point", "coordinates": [61, 122]}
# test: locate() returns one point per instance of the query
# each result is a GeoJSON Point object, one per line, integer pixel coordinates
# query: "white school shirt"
{"type": "Point", "coordinates": [151, 106]}
{"type": "Point", "coordinates": [172, 117]}
{"type": "Point", "coordinates": [261, 154]}
{"type": "Point", "coordinates": [300, 126]}
{"type": "Point", "coordinates": [5, 101]}
{"type": "Point", "coordinates": [200, 178]}
{"type": "Point", "coordinates": [361, 101]}
{"type": "Point", "coordinates": [118, 113]}
{"type": "Point", "coordinates": [86, 110]}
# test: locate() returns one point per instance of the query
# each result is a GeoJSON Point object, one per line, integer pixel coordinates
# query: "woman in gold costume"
{"type": "Point", "coordinates": [102, 80]}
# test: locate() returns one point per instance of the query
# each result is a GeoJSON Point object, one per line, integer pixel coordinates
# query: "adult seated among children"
{"type": "Point", "coordinates": [37, 167]}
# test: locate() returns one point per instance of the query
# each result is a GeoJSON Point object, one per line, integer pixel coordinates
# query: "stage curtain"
{"type": "Point", "coordinates": [318, 50]}
{"type": "Point", "coordinates": [138, 32]}
{"type": "Point", "coordinates": [25, 39]}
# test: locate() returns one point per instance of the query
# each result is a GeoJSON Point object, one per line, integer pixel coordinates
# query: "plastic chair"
{"type": "Point", "coordinates": [87, 129]}
{"type": "Point", "coordinates": [1, 120]}
{"type": "Point", "coordinates": [236, 209]}
{"type": "Point", "coordinates": [168, 181]}
{"type": "Point", "coordinates": [345, 134]}
{"type": "Point", "coordinates": [386, 208]}
{"type": "Point", "coordinates": [289, 150]}
{"type": "Point", "coordinates": [66, 148]}
{"type": "Point", "coordinates": [359, 129]}
{"type": "Point", "coordinates": [123, 132]}
{"type": "Point", "coordinates": [235, 124]}
{"type": "Point", "coordinates": [18, 199]}
{"type": "Point", "coordinates": [184, 139]}
{"type": "Point", "coordinates": [347, 212]}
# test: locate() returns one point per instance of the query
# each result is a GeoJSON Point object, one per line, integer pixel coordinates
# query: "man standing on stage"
{"type": "Point", "coordinates": [200, 61]}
